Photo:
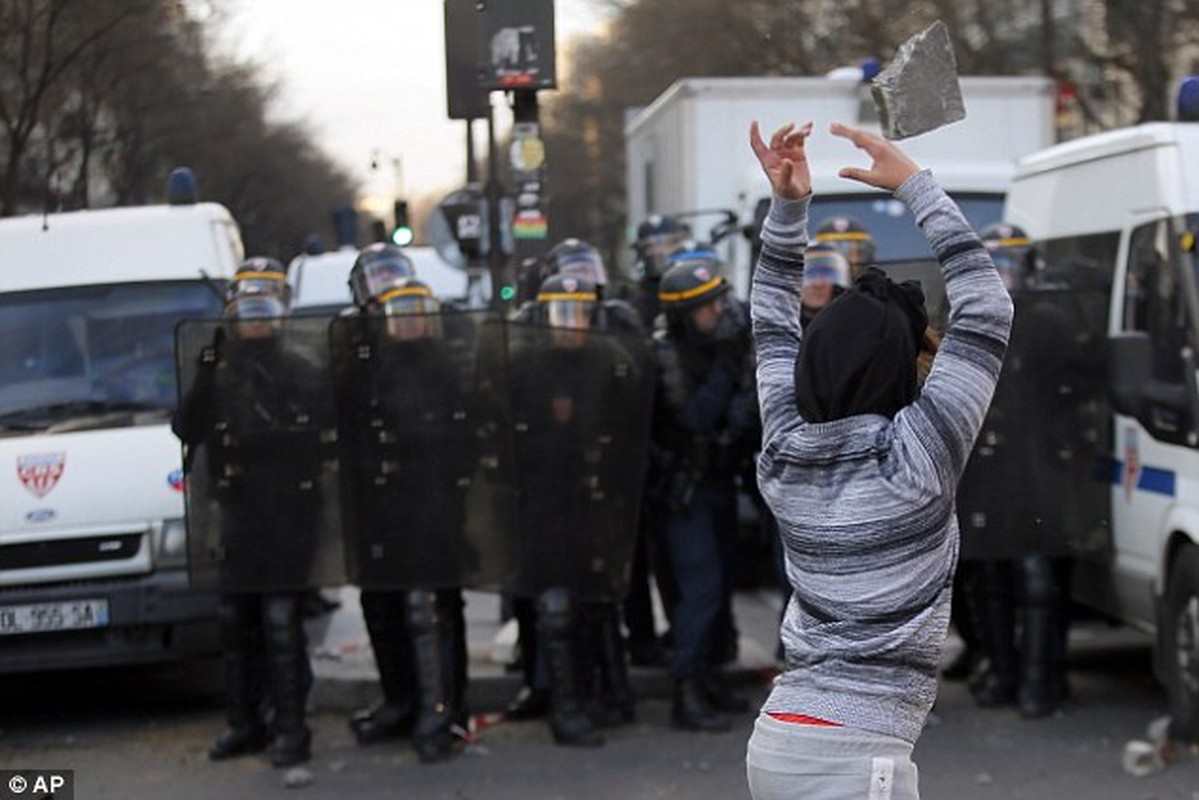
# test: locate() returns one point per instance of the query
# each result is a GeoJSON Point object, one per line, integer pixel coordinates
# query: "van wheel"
{"type": "Point", "coordinates": [1181, 644]}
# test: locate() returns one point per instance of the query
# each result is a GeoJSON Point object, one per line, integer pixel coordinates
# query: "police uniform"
{"type": "Point", "coordinates": [704, 429]}
{"type": "Point", "coordinates": [249, 407]}
{"type": "Point", "coordinates": [418, 635]}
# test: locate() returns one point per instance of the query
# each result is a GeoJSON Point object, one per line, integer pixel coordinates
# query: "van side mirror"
{"type": "Point", "coordinates": [1168, 410]}
{"type": "Point", "coordinates": [1129, 356]}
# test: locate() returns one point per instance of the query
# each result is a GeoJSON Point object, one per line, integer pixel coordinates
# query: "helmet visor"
{"type": "Point", "coordinates": [583, 264]}
{"type": "Point", "coordinates": [255, 307]}
{"type": "Point", "coordinates": [656, 250]}
{"type": "Point", "coordinates": [1008, 263]}
{"type": "Point", "coordinates": [260, 283]}
{"type": "Point", "coordinates": [412, 313]}
{"type": "Point", "coordinates": [570, 313]}
{"type": "Point", "coordinates": [858, 248]}
{"type": "Point", "coordinates": [661, 244]}
{"type": "Point", "coordinates": [397, 303]}
{"type": "Point", "coordinates": [379, 276]}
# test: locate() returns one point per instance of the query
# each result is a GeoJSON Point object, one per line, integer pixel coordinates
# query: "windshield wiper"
{"type": "Point", "coordinates": [40, 417]}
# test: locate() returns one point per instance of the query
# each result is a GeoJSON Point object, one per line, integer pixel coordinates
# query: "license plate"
{"type": "Point", "coordinates": [42, 617]}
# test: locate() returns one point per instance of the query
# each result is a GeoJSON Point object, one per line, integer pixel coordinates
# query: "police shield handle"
{"type": "Point", "coordinates": [918, 91]}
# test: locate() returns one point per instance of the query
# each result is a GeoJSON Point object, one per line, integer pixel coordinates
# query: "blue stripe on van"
{"type": "Point", "coordinates": [1151, 479]}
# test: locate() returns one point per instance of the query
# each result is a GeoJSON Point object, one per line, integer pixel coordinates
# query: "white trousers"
{"type": "Point", "coordinates": [789, 761]}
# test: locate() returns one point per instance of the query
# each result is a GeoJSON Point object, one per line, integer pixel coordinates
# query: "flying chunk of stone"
{"type": "Point", "coordinates": [918, 91]}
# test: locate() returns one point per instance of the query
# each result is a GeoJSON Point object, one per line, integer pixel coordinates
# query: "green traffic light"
{"type": "Point", "coordinates": [402, 236]}
{"type": "Point", "coordinates": [507, 292]}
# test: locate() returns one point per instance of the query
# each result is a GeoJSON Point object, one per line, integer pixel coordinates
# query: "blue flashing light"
{"type": "Point", "coordinates": [1188, 99]}
{"type": "Point", "coordinates": [181, 187]}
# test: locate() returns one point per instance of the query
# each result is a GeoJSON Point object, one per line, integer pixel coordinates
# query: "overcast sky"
{"type": "Point", "coordinates": [369, 75]}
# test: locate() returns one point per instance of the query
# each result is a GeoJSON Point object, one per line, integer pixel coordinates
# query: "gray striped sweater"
{"type": "Point", "coordinates": [865, 505]}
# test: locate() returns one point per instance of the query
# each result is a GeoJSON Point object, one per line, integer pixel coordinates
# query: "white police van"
{"type": "Point", "coordinates": [93, 547]}
{"type": "Point", "coordinates": [1123, 207]}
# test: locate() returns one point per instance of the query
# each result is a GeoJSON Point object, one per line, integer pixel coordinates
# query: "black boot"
{"type": "Point", "coordinates": [290, 678]}
{"type": "Point", "coordinates": [994, 684]}
{"type": "Point", "coordinates": [964, 618]}
{"type": "Point", "coordinates": [529, 703]}
{"type": "Point", "coordinates": [691, 709]}
{"type": "Point", "coordinates": [721, 697]}
{"type": "Point", "coordinates": [393, 718]}
{"type": "Point", "coordinates": [616, 699]}
{"type": "Point", "coordinates": [241, 636]}
{"type": "Point", "coordinates": [569, 721]}
{"type": "Point", "coordinates": [724, 644]}
{"type": "Point", "coordinates": [437, 734]}
{"type": "Point", "coordinates": [1040, 676]}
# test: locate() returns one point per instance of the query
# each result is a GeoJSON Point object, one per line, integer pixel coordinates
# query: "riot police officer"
{"type": "Point", "coordinates": [575, 258]}
{"type": "Point", "coordinates": [570, 442]}
{"type": "Point", "coordinates": [248, 408]}
{"type": "Point", "coordinates": [1018, 604]}
{"type": "Point", "coordinates": [704, 426]}
{"type": "Point", "coordinates": [395, 384]}
{"type": "Point", "coordinates": [852, 238]}
{"type": "Point", "coordinates": [659, 236]}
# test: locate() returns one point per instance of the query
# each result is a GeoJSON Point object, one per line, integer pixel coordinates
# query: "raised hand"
{"type": "Point", "coordinates": [784, 160]}
{"type": "Point", "coordinates": [891, 166]}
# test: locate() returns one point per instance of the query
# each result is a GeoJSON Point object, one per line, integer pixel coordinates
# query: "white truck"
{"type": "Point", "coordinates": [689, 151]}
{"type": "Point", "coordinates": [1115, 217]}
{"type": "Point", "coordinates": [93, 547]}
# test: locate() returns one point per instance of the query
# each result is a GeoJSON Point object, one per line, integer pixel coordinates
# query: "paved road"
{"type": "Point", "coordinates": [143, 734]}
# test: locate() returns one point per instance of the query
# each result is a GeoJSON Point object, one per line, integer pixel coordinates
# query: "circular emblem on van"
{"type": "Point", "coordinates": [41, 515]}
{"type": "Point", "coordinates": [175, 479]}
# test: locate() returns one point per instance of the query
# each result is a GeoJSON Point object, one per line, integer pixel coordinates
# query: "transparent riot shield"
{"type": "Point", "coordinates": [581, 404]}
{"type": "Point", "coordinates": [1038, 480]}
{"type": "Point", "coordinates": [257, 421]}
{"type": "Point", "coordinates": [425, 449]}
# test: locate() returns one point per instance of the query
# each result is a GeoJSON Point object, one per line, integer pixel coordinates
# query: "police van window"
{"type": "Point", "coordinates": [1152, 300]}
{"type": "Point", "coordinates": [895, 235]}
{"type": "Point", "coordinates": [100, 345]}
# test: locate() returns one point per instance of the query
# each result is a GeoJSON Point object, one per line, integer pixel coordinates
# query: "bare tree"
{"type": "Point", "coordinates": [109, 95]}
{"type": "Point", "coordinates": [40, 42]}
{"type": "Point", "coordinates": [652, 43]}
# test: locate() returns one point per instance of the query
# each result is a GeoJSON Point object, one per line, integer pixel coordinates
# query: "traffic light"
{"type": "Point", "coordinates": [402, 233]}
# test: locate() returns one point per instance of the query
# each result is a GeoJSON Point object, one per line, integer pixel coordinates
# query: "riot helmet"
{"type": "Point", "coordinates": [1010, 249]}
{"type": "Point", "coordinates": [691, 252]}
{"type": "Point", "coordinates": [577, 258]}
{"type": "Point", "coordinates": [411, 309]}
{"type": "Point", "coordinates": [569, 301]}
{"type": "Point", "coordinates": [258, 296]}
{"type": "Point", "coordinates": [687, 287]}
{"type": "Point", "coordinates": [378, 267]}
{"type": "Point", "coordinates": [852, 238]}
{"type": "Point", "coordinates": [657, 237]}
{"type": "Point", "coordinates": [260, 276]}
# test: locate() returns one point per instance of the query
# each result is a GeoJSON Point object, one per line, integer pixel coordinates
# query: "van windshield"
{"type": "Point", "coordinates": [895, 235]}
{"type": "Point", "coordinates": [92, 349]}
